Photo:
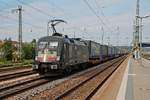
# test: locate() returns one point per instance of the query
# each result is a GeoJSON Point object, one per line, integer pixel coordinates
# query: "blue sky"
{"type": "Point", "coordinates": [80, 19]}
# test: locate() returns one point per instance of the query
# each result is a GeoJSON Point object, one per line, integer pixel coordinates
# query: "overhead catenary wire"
{"type": "Point", "coordinates": [35, 8]}
{"type": "Point", "coordinates": [114, 27]}
{"type": "Point", "coordinates": [74, 27]}
{"type": "Point", "coordinates": [26, 23]}
{"type": "Point", "coordinates": [28, 14]}
{"type": "Point", "coordinates": [59, 8]}
{"type": "Point", "coordinates": [40, 11]}
{"type": "Point", "coordinates": [10, 18]}
{"type": "Point", "coordinates": [102, 13]}
{"type": "Point", "coordinates": [99, 18]}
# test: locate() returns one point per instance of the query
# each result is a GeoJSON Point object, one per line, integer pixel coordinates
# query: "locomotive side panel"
{"type": "Point", "coordinates": [73, 53]}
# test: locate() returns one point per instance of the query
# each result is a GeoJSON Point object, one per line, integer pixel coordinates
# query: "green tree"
{"type": "Point", "coordinates": [33, 41]}
{"type": "Point", "coordinates": [27, 50]}
{"type": "Point", "coordinates": [7, 49]}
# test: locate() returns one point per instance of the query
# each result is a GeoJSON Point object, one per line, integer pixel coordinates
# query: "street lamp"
{"type": "Point", "coordinates": [141, 21]}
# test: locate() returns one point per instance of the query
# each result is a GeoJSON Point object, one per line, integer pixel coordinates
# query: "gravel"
{"type": "Point", "coordinates": [53, 93]}
{"type": "Point", "coordinates": [29, 94]}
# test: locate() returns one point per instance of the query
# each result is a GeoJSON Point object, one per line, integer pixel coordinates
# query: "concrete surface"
{"type": "Point", "coordinates": [110, 89]}
{"type": "Point", "coordinates": [130, 82]}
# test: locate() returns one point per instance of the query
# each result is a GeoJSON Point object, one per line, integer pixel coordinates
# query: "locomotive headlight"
{"type": "Point", "coordinates": [34, 67]}
{"type": "Point", "coordinates": [58, 58]}
{"type": "Point", "coordinates": [54, 67]}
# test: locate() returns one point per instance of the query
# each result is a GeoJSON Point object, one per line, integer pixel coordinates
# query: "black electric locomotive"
{"type": "Point", "coordinates": [56, 53]}
{"type": "Point", "coordinates": [60, 54]}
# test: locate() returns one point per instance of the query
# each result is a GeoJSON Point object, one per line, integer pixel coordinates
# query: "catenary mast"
{"type": "Point", "coordinates": [136, 48]}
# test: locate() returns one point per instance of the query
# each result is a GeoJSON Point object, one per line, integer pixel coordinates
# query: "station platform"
{"type": "Point", "coordinates": [131, 81]}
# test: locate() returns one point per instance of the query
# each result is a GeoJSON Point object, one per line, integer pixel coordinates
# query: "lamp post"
{"type": "Point", "coordinates": [141, 22]}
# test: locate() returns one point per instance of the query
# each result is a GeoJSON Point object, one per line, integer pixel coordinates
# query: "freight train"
{"type": "Point", "coordinates": [60, 54]}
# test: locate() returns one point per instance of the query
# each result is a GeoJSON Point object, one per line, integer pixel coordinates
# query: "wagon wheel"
{"type": "Point", "coordinates": [67, 71]}
{"type": "Point", "coordinates": [84, 66]}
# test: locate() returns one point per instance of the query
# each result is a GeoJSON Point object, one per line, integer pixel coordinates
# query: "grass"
{"type": "Point", "coordinates": [10, 65]}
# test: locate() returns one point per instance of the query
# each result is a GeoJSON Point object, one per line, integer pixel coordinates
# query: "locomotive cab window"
{"type": "Point", "coordinates": [43, 45]}
{"type": "Point", "coordinates": [53, 44]}
{"type": "Point", "coordinates": [48, 47]}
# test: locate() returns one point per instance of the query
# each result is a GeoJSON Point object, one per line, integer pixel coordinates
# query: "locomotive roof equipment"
{"type": "Point", "coordinates": [54, 23]}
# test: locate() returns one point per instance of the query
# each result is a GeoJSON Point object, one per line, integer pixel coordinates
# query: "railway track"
{"type": "Point", "coordinates": [85, 86]}
{"type": "Point", "coordinates": [83, 89]}
{"type": "Point", "coordinates": [12, 68]}
{"type": "Point", "coordinates": [7, 76]}
{"type": "Point", "coordinates": [93, 83]}
{"type": "Point", "coordinates": [7, 91]}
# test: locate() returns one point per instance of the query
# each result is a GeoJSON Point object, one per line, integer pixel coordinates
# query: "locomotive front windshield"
{"type": "Point", "coordinates": [49, 49]}
{"type": "Point", "coordinates": [50, 45]}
